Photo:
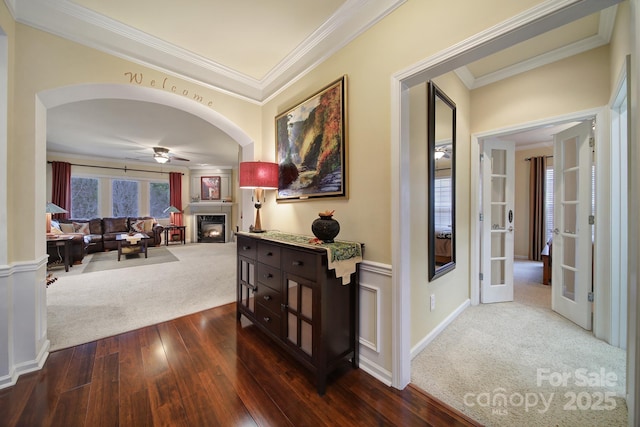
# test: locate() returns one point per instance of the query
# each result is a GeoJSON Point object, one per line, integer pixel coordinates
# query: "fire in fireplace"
{"type": "Point", "coordinates": [211, 228]}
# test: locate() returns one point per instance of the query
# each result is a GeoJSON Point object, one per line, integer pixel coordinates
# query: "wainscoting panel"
{"type": "Point", "coordinates": [24, 346]}
{"type": "Point", "coordinates": [375, 316]}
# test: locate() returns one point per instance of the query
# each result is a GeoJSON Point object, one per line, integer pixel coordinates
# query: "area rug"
{"type": "Point", "coordinates": [101, 261]}
{"type": "Point", "coordinates": [84, 307]}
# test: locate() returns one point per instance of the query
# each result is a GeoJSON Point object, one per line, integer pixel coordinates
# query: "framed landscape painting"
{"type": "Point", "coordinates": [210, 188]}
{"type": "Point", "coordinates": [311, 146]}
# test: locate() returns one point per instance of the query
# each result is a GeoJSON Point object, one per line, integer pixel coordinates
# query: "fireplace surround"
{"type": "Point", "coordinates": [211, 228]}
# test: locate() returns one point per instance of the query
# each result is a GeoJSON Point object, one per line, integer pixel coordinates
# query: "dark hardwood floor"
{"type": "Point", "coordinates": [205, 369]}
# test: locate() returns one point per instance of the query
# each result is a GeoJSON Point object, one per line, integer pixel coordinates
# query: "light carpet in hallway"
{"type": "Point", "coordinates": [486, 362]}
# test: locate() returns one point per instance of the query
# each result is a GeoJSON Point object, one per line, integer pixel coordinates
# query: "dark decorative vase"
{"type": "Point", "coordinates": [325, 228]}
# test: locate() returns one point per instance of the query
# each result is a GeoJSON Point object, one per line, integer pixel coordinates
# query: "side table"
{"type": "Point", "coordinates": [181, 229]}
{"type": "Point", "coordinates": [54, 242]}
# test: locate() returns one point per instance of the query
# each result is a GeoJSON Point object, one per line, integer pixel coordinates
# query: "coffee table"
{"type": "Point", "coordinates": [132, 244]}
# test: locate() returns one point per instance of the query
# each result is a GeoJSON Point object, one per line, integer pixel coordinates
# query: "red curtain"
{"type": "Point", "coordinates": [61, 187]}
{"type": "Point", "coordinates": [175, 196]}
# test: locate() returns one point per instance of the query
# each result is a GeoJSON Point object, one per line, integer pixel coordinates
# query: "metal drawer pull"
{"type": "Point", "coordinates": [297, 263]}
{"type": "Point", "coordinates": [267, 297]}
{"type": "Point", "coordinates": [246, 248]}
{"type": "Point", "coordinates": [269, 253]}
{"type": "Point", "coordinates": [267, 275]}
{"type": "Point", "coordinates": [267, 319]}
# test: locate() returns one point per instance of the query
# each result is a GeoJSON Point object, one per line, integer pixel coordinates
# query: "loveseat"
{"type": "Point", "coordinates": [99, 234]}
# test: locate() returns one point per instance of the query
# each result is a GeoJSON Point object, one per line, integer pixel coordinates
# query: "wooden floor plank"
{"type": "Point", "coordinates": [104, 398]}
{"type": "Point", "coordinates": [206, 369]}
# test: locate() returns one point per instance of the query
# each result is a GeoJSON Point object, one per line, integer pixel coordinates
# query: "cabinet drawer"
{"type": "Point", "coordinates": [270, 298]}
{"type": "Point", "coordinates": [269, 276]}
{"type": "Point", "coordinates": [300, 263]}
{"type": "Point", "coordinates": [246, 247]}
{"type": "Point", "coordinates": [269, 254]}
{"type": "Point", "coordinates": [268, 319]}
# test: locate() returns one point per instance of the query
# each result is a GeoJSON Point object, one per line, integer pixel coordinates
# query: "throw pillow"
{"type": "Point", "coordinates": [81, 227]}
{"type": "Point", "coordinates": [55, 230]}
{"type": "Point", "coordinates": [148, 225]}
{"type": "Point", "coordinates": [138, 226]}
{"type": "Point", "coordinates": [67, 228]}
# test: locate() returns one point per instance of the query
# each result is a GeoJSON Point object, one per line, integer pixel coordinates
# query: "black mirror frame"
{"type": "Point", "coordinates": [435, 93]}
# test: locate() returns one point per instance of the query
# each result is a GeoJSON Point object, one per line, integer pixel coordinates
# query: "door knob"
{"type": "Point", "coordinates": [556, 231]}
{"type": "Point", "coordinates": [510, 229]}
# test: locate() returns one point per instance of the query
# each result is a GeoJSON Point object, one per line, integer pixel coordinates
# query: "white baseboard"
{"type": "Point", "coordinates": [376, 371]}
{"type": "Point", "coordinates": [438, 329]}
{"type": "Point", "coordinates": [25, 367]}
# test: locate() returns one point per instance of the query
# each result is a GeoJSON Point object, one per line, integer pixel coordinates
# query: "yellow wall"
{"type": "Point", "coordinates": [47, 62]}
{"type": "Point", "coordinates": [620, 42]}
{"type": "Point", "coordinates": [451, 289]}
{"type": "Point", "coordinates": [577, 83]}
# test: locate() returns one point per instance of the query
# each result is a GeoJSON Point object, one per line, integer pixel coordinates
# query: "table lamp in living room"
{"type": "Point", "coordinates": [51, 209]}
{"type": "Point", "coordinates": [172, 210]}
{"type": "Point", "coordinates": [258, 176]}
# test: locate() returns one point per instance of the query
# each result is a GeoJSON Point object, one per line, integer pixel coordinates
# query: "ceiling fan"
{"type": "Point", "coordinates": [442, 152]}
{"type": "Point", "coordinates": [162, 155]}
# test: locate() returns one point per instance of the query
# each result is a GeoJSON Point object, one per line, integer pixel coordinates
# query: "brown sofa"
{"type": "Point", "coordinates": [99, 234]}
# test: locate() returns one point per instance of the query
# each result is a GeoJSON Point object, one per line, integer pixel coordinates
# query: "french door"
{"type": "Point", "coordinates": [498, 178]}
{"type": "Point", "coordinates": [571, 273]}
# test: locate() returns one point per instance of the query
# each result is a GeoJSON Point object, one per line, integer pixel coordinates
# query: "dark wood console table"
{"type": "Point", "coordinates": [288, 288]}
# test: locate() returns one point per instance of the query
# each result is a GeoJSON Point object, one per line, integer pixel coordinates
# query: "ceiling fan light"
{"type": "Point", "coordinates": [161, 158]}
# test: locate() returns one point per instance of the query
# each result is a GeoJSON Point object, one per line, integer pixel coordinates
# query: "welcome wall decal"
{"type": "Point", "coordinates": [165, 84]}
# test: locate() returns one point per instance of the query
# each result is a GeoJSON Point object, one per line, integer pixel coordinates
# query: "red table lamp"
{"type": "Point", "coordinates": [258, 176]}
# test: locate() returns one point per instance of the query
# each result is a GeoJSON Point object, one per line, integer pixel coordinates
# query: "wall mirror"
{"type": "Point", "coordinates": [441, 151]}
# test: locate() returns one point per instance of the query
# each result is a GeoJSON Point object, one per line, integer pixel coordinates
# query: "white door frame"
{"type": "Point", "coordinates": [528, 24]}
{"type": "Point", "coordinates": [476, 138]}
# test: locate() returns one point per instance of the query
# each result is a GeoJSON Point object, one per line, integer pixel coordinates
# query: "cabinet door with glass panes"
{"type": "Point", "coordinates": [300, 313]}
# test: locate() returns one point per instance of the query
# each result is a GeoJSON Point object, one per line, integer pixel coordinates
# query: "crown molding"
{"type": "Point", "coordinates": [73, 22]}
{"type": "Point", "coordinates": [605, 29]}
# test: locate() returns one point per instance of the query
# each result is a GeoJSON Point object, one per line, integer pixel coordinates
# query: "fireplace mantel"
{"type": "Point", "coordinates": [210, 208]}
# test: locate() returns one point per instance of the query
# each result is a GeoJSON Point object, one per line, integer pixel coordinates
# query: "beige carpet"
{"type": "Point", "coordinates": [498, 362]}
{"type": "Point", "coordinates": [83, 307]}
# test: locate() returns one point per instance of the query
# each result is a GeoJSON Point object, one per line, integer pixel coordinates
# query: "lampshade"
{"type": "Point", "coordinates": [172, 209]}
{"type": "Point", "coordinates": [52, 208]}
{"type": "Point", "coordinates": [259, 175]}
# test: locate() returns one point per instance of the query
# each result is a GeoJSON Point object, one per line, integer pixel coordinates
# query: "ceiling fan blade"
{"type": "Point", "coordinates": [182, 159]}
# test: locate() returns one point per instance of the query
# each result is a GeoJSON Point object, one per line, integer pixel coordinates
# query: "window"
{"type": "Point", "coordinates": [158, 199]}
{"type": "Point", "coordinates": [84, 198]}
{"type": "Point", "coordinates": [443, 203]}
{"type": "Point", "coordinates": [548, 202]}
{"type": "Point", "coordinates": [125, 198]}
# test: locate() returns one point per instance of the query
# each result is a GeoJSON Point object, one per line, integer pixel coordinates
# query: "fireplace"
{"type": "Point", "coordinates": [211, 228]}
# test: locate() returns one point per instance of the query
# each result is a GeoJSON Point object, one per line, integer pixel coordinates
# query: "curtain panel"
{"type": "Point", "coordinates": [537, 226]}
{"type": "Point", "coordinates": [61, 187]}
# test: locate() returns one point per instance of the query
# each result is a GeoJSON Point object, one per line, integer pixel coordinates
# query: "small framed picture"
{"type": "Point", "coordinates": [210, 188]}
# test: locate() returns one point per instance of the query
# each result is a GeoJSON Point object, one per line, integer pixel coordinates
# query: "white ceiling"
{"type": "Point", "coordinates": [252, 48]}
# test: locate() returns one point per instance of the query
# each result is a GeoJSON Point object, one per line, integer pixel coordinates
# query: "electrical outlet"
{"type": "Point", "coordinates": [433, 302]}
